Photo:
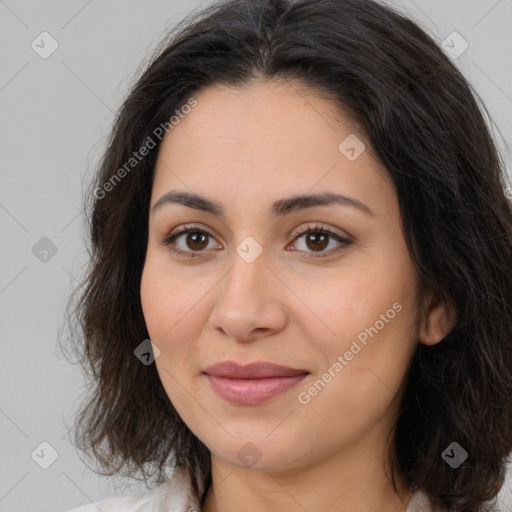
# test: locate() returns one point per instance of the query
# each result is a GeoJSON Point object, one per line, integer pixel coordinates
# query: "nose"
{"type": "Point", "coordinates": [249, 302]}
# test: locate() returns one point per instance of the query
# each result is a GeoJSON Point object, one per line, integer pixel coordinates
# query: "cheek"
{"type": "Point", "coordinates": [168, 313]}
{"type": "Point", "coordinates": [342, 305]}
{"type": "Point", "coordinates": [166, 318]}
{"type": "Point", "coordinates": [356, 392]}
{"type": "Point", "coordinates": [368, 316]}
{"type": "Point", "coordinates": [171, 311]}
{"type": "Point", "coordinates": [169, 300]}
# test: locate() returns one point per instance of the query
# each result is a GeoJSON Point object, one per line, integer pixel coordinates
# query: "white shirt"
{"type": "Point", "coordinates": [176, 495]}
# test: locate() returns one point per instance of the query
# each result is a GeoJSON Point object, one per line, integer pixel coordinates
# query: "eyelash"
{"type": "Point", "coordinates": [195, 229]}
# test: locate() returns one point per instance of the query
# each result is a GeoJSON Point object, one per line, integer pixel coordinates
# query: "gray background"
{"type": "Point", "coordinates": [55, 115]}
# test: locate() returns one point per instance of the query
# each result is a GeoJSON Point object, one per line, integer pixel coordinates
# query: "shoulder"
{"type": "Point", "coordinates": [175, 495]}
{"type": "Point", "coordinates": [505, 494]}
{"type": "Point", "coordinates": [419, 502]}
{"type": "Point", "coordinates": [135, 503]}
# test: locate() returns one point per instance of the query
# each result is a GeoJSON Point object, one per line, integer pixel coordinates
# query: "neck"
{"type": "Point", "coordinates": [356, 479]}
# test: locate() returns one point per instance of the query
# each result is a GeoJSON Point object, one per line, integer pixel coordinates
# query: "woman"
{"type": "Point", "coordinates": [300, 289]}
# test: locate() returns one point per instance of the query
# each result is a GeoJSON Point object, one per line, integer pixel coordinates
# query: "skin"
{"type": "Point", "coordinates": [246, 148]}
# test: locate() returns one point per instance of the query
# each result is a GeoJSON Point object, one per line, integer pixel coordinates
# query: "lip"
{"type": "Point", "coordinates": [259, 370]}
{"type": "Point", "coordinates": [252, 383]}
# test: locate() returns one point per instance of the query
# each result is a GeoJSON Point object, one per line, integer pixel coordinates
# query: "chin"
{"type": "Point", "coordinates": [260, 453]}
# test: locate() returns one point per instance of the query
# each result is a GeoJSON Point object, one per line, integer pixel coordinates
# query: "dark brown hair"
{"type": "Point", "coordinates": [427, 127]}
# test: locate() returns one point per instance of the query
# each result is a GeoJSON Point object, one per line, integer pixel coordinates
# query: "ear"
{"type": "Point", "coordinates": [438, 317]}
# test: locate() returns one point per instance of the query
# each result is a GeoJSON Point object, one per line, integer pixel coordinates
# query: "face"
{"type": "Point", "coordinates": [253, 282]}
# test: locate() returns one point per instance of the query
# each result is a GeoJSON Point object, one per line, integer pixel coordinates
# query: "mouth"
{"type": "Point", "coordinates": [254, 383]}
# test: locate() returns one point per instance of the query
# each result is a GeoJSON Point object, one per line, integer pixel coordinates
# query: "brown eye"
{"type": "Point", "coordinates": [317, 239]}
{"type": "Point", "coordinates": [195, 241]}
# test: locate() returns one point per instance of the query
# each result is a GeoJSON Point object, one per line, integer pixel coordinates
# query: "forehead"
{"type": "Point", "coordinates": [265, 139]}
{"type": "Point", "coordinates": [271, 111]}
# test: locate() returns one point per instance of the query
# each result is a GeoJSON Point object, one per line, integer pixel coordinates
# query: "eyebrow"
{"type": "Point", "coordinates": [278, 208]}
